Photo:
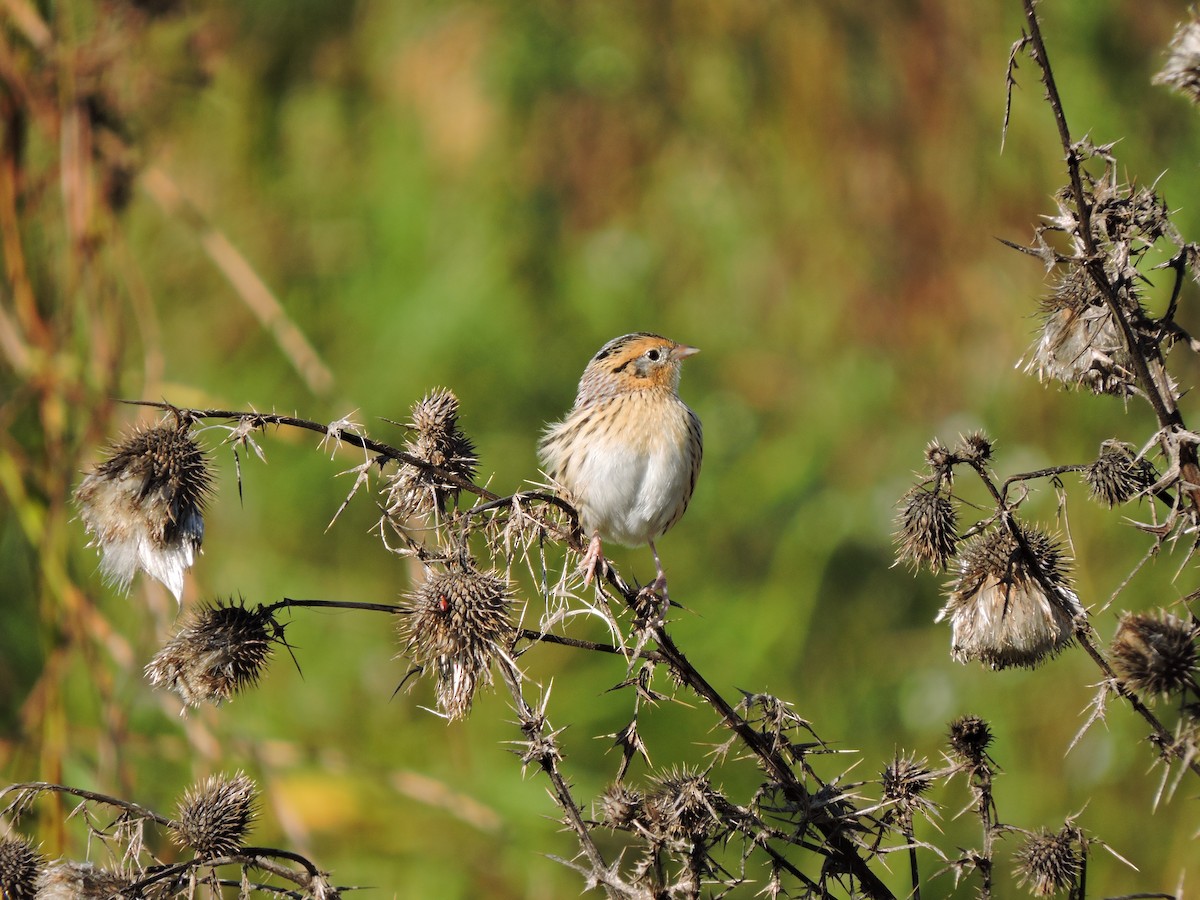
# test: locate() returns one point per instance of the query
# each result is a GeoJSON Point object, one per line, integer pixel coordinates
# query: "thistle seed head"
{"type": "Point", "coordinates": [1155, 655]}
{"type": "Point", "coordinates": [1118, 474]}
{"type": "Point", "coordinates": [975, 448]}
{"type": "Point", "coordinates": [927, 532]}
{"type": "Point", "coordinates": [620, 806]}
{"type": "Point", "coordinates": [1010, 606]}
{"type": "Point", "coordinates": [1048, 863]}
{"type": "Point", "coordinates": [144, 505]}
{"type": "Point", "coordinates": [80, 881]}
{"type": "Point", "coordinates": [216, 814]}
{"type": "Point", "coordinates": [220, 650]}
{"type": "Point", "coordinates": [20, 866]}
{"type": "Point", "coordinates": [1181, 72]}
{"type": "Point", "coordinates": [938, 456]}
{"type": "Point", "coordinates": [1080, 343]}
{"type": "Point", "coordinates": [454, 625]}
{"type": "Point", "coordinates": [970, 737]}
{"type": "Point", "coordinates": [683, 806]}
{"type": "Point", "coordinates": [904, 781]}
{"type": "Point", "coordinates": [437, 440]}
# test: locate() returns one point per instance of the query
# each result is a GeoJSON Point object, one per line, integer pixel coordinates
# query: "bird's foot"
{"type": "Point", "coordinates": [594, 565]}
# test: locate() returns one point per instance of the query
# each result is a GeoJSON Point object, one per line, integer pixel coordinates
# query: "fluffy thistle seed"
{"type": "Point", "coordinates": [1118, 474]}
{"type": "Point", "coordinates": [20, 866]}
{"type": "Point", "coordinates": [1000, 611]}
{"type": "Point", "coordinates": [144, 506]}
{"type": "Point", "coordinates": [1048, 863]}
{"type": "Point", "coordinates": [928, 530]}
{"type": "Point", "coordinates": [80, 881]}
{"type": "Point", "coordinates": [1181, 72]}
{"type": "Point", "coordinates": [216, 814]}
{"type": "Point", "coordinates": [456, 624]}
{"type": "Point", "coordinates": [970, 737]}
{"type": "Point", "coordinates": [221, 650]}
{"type": "Point", "coordinates": [1080, 343]}
{"type": "Point", "coordinates": [440, 442]}
{"type": "Point", "coordinates": [1155, 655]}
{"type": "Point", "coordinates": [620, 806]}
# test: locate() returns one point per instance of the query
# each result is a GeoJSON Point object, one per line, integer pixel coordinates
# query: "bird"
{"type": "Point", "coordinates": [628, 453]}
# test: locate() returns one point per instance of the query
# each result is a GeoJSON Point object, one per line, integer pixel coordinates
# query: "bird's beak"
{"type": "Point", "coordinates": [683, 351]}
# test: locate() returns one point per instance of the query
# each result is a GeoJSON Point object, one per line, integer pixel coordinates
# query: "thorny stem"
{"type": "Point", "coordinates": [915, 872]}
{"type": "Point", "coordinates": [1167, 413]}
{"type": "Point", "coordinates": [838, 845]}
{"type": "Point", "coordinates": [986, 807]}
{"type": "Point", "coordinates": [381, 450]}
{"type": "Point", "coordinates": [532, 724]}
{"type": "Point", "coordinates": [39, 787]}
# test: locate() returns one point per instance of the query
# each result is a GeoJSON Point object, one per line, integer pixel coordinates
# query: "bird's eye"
{"type": "Point", "coordinates": [654, 354]}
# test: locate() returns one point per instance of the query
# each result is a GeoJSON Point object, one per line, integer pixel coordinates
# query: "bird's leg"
{"type": "Point", "coordinates": [593, 563]}
{"type": "Point", "coordinates": [660, 582]}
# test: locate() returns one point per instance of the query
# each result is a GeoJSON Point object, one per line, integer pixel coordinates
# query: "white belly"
{"type": "Point", "coordinates": [630, 493]}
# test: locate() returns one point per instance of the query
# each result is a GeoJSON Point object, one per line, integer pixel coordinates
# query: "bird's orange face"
{"type": "Point", "coordinates": [638, 362]}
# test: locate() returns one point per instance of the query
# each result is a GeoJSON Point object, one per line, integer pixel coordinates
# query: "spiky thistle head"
{"type": "Point", "coordinates": [215, 815]}
{"type": "Point", "coordinates": [970, 736]}
{"type": "Point", "coordinates": [620, 806]}
{"type": "Point", "coordinates": [1011, 604]}
{"type": "Point", "coordinates": [455, 625]}
{"type": "Point", "coordinates": [1156, 655]}
{"type": "Point", "coordinates": [927, 529]}
{"type": "Point", "coordinates": [144, 505]}
{"type": "Point", "coordinates": [220, 650]}
{"type": "Point", "coordinates": [682, 805]}
{"type": "Point", "coordinates": [20, 867]}
{"type": "Point", "coordinates": [974, 448]}
{"type": "Point", "coordinates": [1049, 863]}
{"type": "Point", "coordinates": [438, 441]}
{"type": "Point", "coordinates": [905, 781]}
{"type": "Point", "coordinates": [1118, 474]}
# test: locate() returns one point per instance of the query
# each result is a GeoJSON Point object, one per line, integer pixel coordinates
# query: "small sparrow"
{"type": "Point", "coordinates": [628, 453]}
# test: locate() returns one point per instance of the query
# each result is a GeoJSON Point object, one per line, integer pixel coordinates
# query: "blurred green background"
{"type": "Point", "coordinates": [479, 195]}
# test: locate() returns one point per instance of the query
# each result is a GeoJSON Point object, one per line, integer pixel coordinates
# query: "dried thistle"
{"type": "Point", "coordinates": [216, 814]}
{"type": "Point", "coordinates": [683, 806]}
{"type": "Point", "coordinates": [20, 867]}
{"type": "Point", "coordinates": [80, 881]}
{"type": "Point", "coordinates": [1081, 344]}
{"type": "Point", "coordinates": [970, 737]}
{"type": "Point", "coordinates": [1181, 71]}
{"type": "Point", "coordinates": [1011, 605]}
{"type": "Point", "coordinates": [144, 506]}
{"type": "Point", "coordinates": [938, 457]}
{"type": "Point", "coordinates": [1048, 863]}
{"type": "Point", "coordinates": [221, 650]}
{"type": "Point", "coordinates": [439, 441]}
{"type": "Point", "coordinates": [904, 781]}
{"type": "Point", "coordinates": [456, 623]}
{"type": "Point", "coordinates": [1155, 655]}
{"type": "Point", "coordinates": [974, 448]}
{"type": "Point", "coordinates": [927, 533]}
{"type": "Point", "coordinates": [1118, 474]}
{"type": "Point", "coordinates": [620, 806]}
